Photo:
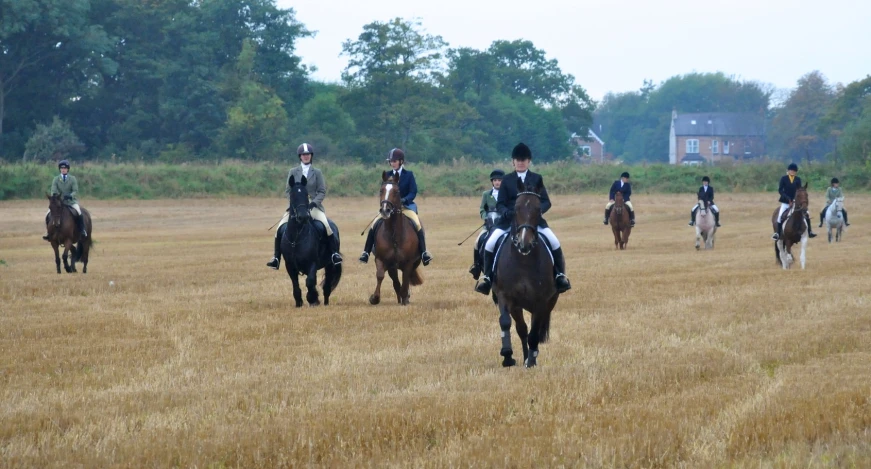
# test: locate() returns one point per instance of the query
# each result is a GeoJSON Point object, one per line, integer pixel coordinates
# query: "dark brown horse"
{"type": "Point", "coordinates": [396, 247]}
{"type": "Point", "coordinates": [795, 229]}
{"type": "Point", "coordinates": [61, 227]}
{"type": "Point", "coordinates": [524, 279]}
{"type": "Point", "coordinates": [619, 222]}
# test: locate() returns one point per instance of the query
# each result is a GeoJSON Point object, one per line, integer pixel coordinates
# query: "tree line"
{"type": "Point", "coordinates": [205, 80]}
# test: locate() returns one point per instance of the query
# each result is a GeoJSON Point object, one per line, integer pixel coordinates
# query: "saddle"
{"type": "Point", "coordinates": [501, 241]}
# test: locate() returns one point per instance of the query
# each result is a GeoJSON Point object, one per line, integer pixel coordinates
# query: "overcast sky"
{"type": "Point", "coordinates": [615, 45]}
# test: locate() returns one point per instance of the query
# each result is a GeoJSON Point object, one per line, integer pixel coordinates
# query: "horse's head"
{"type": "Point", "coordinates": [618, 202]}
{"type": "Point", "coordinates": [704, 206]}
{"type": "Point", "coordinates": [55, 209]}
{"type": "Point", "coordinates": [527, 215]}
{"type": "Point", "coordinates": [299, 210]}
{"type": "Point", "coordinates": [801, 200]}
{"type": "Point", "coordinates": [391, 204]}
{"type": "Point", "coordinates": [491, 220]}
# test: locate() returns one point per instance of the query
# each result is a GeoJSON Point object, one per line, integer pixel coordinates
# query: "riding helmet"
{"type": "Point", "coordinates": [497, 174]}
{"type": "Point", "coordinates": [305, 148]}
{"type": "Point", "coordinates": [625, 175]}
{"type": "Point", "coordinates": [706, 179]}
{"type": "Point", "coordinates": [792, 167]}
{"type": "Point", "coordinates": [835, 181]}
{"type": "Point", "coordinates": [521, 152]}
{"type": "Point", "coordinates": [63, 164]}
{"type": "Point", "coordinates": [396, 154]}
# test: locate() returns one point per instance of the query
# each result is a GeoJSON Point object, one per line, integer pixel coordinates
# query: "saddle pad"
{"type": "Point", "coordinates": [501, 241]}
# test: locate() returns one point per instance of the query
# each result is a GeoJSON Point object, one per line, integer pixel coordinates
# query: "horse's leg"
{"type": "Point", "coordinates": [698, 237]}
{"type": "Point", "coordinates": [292, 273]}
{"type": "Point", "coordinates": [328, 282]}
{"type": "Point", "coordinates": [522, 330]}
{"type": "Point", "coordinates": [86, 249]}
{"type": "Point", "coordinates": [56, 256]}
{"type": "Point", "coordinates": [397, 287]}
{"type": "Point", "coordinates": [830, 231]}
{"type": "Point", "coordinates": [73, 251]}
{"type": "Point", "coordinates": [311, 286]}
{"type": "Point", "coordinates": [802, 257]}
{"type": "Point", "coordinates": [616, 233]}
{"type": "Point", "coordinates": [505, 327]}
{"type": "Point", "coordinates": [533, 339]}
{"type": "Point", "coordinates": [404, 288]}
{"type": "Point", "coordinates": [375, 298]}
{"type": "Point", "coordinates": [65, 256]}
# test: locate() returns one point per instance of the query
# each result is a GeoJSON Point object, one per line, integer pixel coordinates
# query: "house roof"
{"type": "Point", "coordinates": [590, 137]}
{"type": "Point", "coordinates": [719, 124]}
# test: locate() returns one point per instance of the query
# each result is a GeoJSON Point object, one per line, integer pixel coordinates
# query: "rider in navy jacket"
{"type": "Point", "coordinates": [789, 184]}
{"type": "Point", "coordinates": [705, 195]}
{"type": "Point", "coordinates": [621, 185]}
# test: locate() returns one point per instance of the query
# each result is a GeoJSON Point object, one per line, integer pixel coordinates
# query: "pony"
{"type": "Point", "coordinates": [835, 219]}
{"type": "Point", "coordinates": [706, 227]}
{"type": "Point", "coordinates": [795, 229]}
{"type": "Point", "coordinates": [396, 247]}
{"type": "Point", "coordinates": [62, 231]}
{"type": "Point", "coordinates": [304, 249]}
{"type": "Point", "coordinates": [524, 279]}
{"type": "Point", "coordinates": [619, 222]}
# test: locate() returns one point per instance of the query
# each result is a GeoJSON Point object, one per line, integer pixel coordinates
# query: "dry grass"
{"type": "Point", "coordinates": [660, 356]}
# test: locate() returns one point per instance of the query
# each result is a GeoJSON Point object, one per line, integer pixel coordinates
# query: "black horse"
{"type": "Point", "coordinates": [304, 248]}
{"type": "Point", "coordinates": [524, 279]}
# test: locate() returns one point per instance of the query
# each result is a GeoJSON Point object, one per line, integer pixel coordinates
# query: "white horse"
{"type": "Point", "coordinates": [835, 219]}
{"type": "Point", "coordinates": [706, 227]}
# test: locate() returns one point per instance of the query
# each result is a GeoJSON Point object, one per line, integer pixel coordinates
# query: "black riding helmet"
{"type": "Point", "coordinates": [706, 179]}
{"type": "Point", "coordinates": [835, 181]}
{"type": "Point", "coordinates": [625, 175]}
{"type": "Point", "coordinates": [497, 174]}
{"type": "Point", "coordinates": [792, 167]}
{"type": "Point", "coordinates": [305, 148]}
{"type": "Point", "coordinates": [521, 152]}
{"type": "Point", "coordinates": [63, 164]}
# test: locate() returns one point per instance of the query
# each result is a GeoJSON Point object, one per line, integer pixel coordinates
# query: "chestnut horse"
{"type": "Point", "coordinates": [619, 222]}
{"type": "Point", "coordinates": [524, 279]}
{"type": "Point", "coordinates": [62, 231]}
{"type": "Point", "coordinates": [795, 229]}
{"type": "Point", "coordinates": [396, 248]}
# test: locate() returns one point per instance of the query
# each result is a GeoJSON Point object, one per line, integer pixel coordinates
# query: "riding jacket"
{"type": "Point", "coordinates": [314, 185]}
{"type": "Point", "coordinates": [626, 189]}
{"type": "Point", "coordinates": [68, 188]}
{"type": "Point", "coordinates": [508, 193]}
{"type": "Point", "coordinates": [407, 186]}
{"type": "Point", "coordinates": [833, 193]}
{"type": "Point", "coordinates": [787, 189]}
{"type": "Point", "coordinates": [488, 203]}
{"type": "Point", "coordinates": [706, 195]}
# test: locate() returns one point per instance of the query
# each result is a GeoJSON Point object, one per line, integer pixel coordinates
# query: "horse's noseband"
{"type": "Point", "coordinates": [388, 209]}
{"type": "Point", "coordinates": [300, 214]}
{"type": "Point", "coordinates": [517, 242]}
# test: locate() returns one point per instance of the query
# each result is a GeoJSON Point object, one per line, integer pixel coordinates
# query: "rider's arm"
{"type": "Point", "coordinates": [75, 190]}
{"type": "Point", "coordinates": [55, 190]}
{"type": "Point", "coordinates": [628, 191]}
{"type": "Point", "coordinates": [412, 192]}
{"type": "Point", "coordinates": [830, 196]}
{"type": "Point", "coordinates": [320, 189]}
{"type": "Point", "coordinates": [782, 188]}
{"type": "Point", "coordinates": [612, 191]}
{"type": "Point", "coordinates": [483, 208]}
{"type": "Point", "coordinates": [545, 199]}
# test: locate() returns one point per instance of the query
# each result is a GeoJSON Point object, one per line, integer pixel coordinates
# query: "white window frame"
{"type": "Point", "coordinates": [747, 147]}
{"type": "Point", "coordinates": [725, 147]}
{"type": "Point", "coordinates": [585, 150]}
{"type": "Point", "coordinates": [692, 145]}
{"type": "Point", "coordinates": [715, 146]}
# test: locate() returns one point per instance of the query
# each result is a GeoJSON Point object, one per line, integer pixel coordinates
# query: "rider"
{"type": "Point", "coordinates": [705, 195]}
{"type": "Point", "coordinates": [65, 184]}
{"type": "Point", "coordinates": [788, 185]}
{"type": "Point", "coordinates": [833, 193]}
{"type": "Point", "coordinates": [317, 189]}
{"type": "Point", "coordinates": [521, 156]}
{"type": "Point", "coordinates": [621, 185]}
{"type": "Point", "coordinates": [488, 204]}
{"type": "Point", "coordinates": [407, 193]}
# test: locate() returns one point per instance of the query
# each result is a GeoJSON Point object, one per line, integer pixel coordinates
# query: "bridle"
{"type": "Point", "coordinates": [519, 231]}
{"type": "Point", "coordinates": [388, 208]}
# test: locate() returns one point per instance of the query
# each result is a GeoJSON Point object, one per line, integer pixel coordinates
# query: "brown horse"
{"type": "Point", "coordinates": [524, 279]}
{"type": "Point", "coordinates": [795, 229]}
{"type": "Point", "coordinates": [619, 222]}
{"type": "Point", "coordinates": [396, 247]}
{"type": "Point", "coordinates": [61, 226]}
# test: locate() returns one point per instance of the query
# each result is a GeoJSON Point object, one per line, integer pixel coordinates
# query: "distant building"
{"type": "Point", "coordinates": [709, 137]}
{"type": "Point", "coordinates": [591, 149]}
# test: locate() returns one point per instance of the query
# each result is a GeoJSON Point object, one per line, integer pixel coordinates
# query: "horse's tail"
{"type": "Point", "coordinates": [416, 277]}
{"type": "Point", "coordinates": [544, 328]}
{"type": "Point", "coordinates": [336, 272]}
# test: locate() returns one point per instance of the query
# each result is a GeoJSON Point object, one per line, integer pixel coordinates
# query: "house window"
{"type": "Point", "coordinates": [747, 148]}
{"type": "Point", "coordinates": [585, 150]}
{"type": "Point", "coordinates": [715, 146]}
{"type": "Point", "coordinates": [725, 147]}
{"type": "Point", "coordinates": [692, 145]}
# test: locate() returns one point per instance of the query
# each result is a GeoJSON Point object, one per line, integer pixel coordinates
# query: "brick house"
{"type": "Point", "coordinates": [710, 137]}
{"type": "Point", "coordinates": [590, 149]}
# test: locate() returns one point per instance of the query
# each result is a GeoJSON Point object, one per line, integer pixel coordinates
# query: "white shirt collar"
{"type": "Point", "coordinates": [495, 193]}
{"type": "Point", "coordinates": [305, 168]}
{"type": "Point", "coordinates": [522, 175]}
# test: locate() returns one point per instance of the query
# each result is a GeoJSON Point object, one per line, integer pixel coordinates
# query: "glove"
{"type": "Point", "coordinates": [403, 202]}
{"type": "Point", "coordinates": [312, 205]}
{"type": "Point", "coordinates": [508, 215]}
{"type": "Point", "coordinates": [67, 197]}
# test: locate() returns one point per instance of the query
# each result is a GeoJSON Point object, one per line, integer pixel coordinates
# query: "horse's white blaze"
{"type": "Point", "coordinates": [387, 189]}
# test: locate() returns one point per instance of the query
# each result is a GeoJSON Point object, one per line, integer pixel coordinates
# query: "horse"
{"type": "Point", "coordinates": [303, 248]}
{"type": "Point", "coordinates": [62, 231]}
{"type": "Point", "coordinates": [396, 247]}
{"type": "Point", "coordinates": [524, 279]}
{"type": "Point", "coordinates": [835, 219]}
{"type": "Point", "coordinates": [706, 226]}
{"type": "Point", "coordinates": [795, 229]}
{"type": "Point", "coordinates": [619, 221]}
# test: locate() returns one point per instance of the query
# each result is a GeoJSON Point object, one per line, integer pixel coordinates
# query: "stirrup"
{"type": "Point", "coordinates": [364, 258]}
{"type": "Point", "coordinates": [336, 256]}
{"type": "Point", "coordinates": [563, 286]}
{"type": "Point", "coordinates": [775, 236]}
{"type": "Point", "coordinates": [483, 285]}
{"type": "Point", "coordinates": [274, 263]}
{"type": "Point", "coordinates": [426, 257]}
{"type": "Point", "coordinates": [605, 221]}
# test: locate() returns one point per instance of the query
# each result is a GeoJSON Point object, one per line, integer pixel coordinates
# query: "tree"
{"type": "Point", "coordinates": [795, 127]}
{"type": "Point", "coordinates": [52, 142]}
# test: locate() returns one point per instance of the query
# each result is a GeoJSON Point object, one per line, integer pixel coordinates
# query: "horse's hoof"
{"type": "Point", "coordinates": [530, 363]}
{"type": "Point", "coordinates": [374, 300]}
{"type": "Point", "coordinates": [508, 361]}
{"type": "Point", "coordinates": [405, 301]}
{"type": "Point", "coordinates": [313, 304]}
{"type": "Point", "coordinates": [299, 303]}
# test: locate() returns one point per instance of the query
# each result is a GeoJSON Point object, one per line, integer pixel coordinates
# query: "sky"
{"type": "Point", "coordinates": [613, 46]}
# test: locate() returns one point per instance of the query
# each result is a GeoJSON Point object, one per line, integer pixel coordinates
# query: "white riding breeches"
{"type": "Point", "coordinates": [611, 204]}
{"type": "Point", "coordinates": [713, 207]}
{"type": "Point", "coordinates": [783, 208]}
{"type": "Point", "coordinates": [546, 232]}
{"type": "Point", "coordinates": [316, 214]}
{"type": "Point", "coordinates": [74, 207]}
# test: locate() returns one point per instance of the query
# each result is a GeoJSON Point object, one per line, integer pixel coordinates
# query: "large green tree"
{"type": "Point", "coordinates": [794, 133]}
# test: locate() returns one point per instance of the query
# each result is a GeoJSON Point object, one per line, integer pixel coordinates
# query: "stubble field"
{"type": "Point", "coordinates": [660, 356]}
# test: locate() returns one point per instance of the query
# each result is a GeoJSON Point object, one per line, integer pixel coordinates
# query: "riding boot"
{"type": "Point", "coordinates": [370, 242]}
{"type": "Point", "coordinates": [692, 218]}
{"type": "Point", "coordinates": [276, 253]}
{"type": "Point", "coordinates": [823, 216]}
{"type": "Point", "coordinates": [607, 215]}
{"type": "Point", "coordinates": [333, 247]}
{"type": "Point", "coordinates": [80, 224]}
{"type": "Point", "coordinates": [844, 212]}
{"type": "Point", "coordinates": [475, 270]}
{"type": "Point", "coordinates": [632, 218]}
{"type": "Point", "coordinates": [810, 232]}
{"type": "Point", "coordinates": [559, 267]}
{"type": "Point", "coordinates": [425, 256]}
{"type": "Point", "coordinates": [484, 284]}
{"type": "Point", "coordinates": [717, 219]}
{"type": "Point", "coordinates": [45, 236]}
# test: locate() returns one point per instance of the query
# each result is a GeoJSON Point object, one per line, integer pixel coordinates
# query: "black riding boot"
{"type": "Point", "coordinates": [484, 284]}
{"type": "Point", "coordinates": [693, 217]}
{"type": "Point", "coordinates": [333, 247]}
{"type": "Point", "coordinates": [607, 215]}
{"type": "Point", "coordinates": [45, 236]}
{"type": "Point", "coordinates": [844, 212]}
{"type": "Point", "coordinates": [475, 270]}
{"type": "Point", "coordinates": [80, 224]}
{"type": "Point", "coordinates": [632, 218]}
{"type": "Point", "coordinates": [559, 266]}
{"type": "Point", "coordinates": [276, 249]}
{"type": "Point", "coordinates": [823, 216]}
{"type": "Point", "coordinates": [370, 242]}
{"type": "Point", "coordinates": [425, 256]}
{"type": "Point", "coordinates": [810, 232]}
{"type": "Point", "coordinates": [717, 219]}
